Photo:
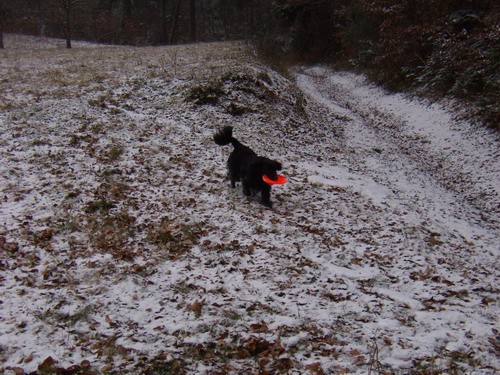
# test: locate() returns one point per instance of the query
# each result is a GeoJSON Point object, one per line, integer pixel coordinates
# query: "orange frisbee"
{"type": "Point", "coordinates": [279, 181]}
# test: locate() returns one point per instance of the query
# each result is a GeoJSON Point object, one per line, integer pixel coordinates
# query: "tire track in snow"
{"type": "Point", "coordinates": [405, 147]}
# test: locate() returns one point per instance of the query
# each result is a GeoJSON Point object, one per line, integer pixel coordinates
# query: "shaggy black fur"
{"type": "Point", "coordinates": [244, 165]}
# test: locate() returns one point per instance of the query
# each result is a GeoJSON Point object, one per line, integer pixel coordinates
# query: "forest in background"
{"type": "Point", "coordinates": [447, 48]}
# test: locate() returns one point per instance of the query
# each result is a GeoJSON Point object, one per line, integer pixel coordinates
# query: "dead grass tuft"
{"type": "Point", "coordinates": [177, 238]}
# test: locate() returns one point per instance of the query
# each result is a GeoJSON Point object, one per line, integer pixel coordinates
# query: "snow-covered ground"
{"type": "Point", "coordinates": [123, 248]}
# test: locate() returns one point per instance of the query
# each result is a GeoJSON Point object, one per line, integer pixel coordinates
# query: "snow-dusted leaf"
{"type": "Point", "coordinates": [196, 307]}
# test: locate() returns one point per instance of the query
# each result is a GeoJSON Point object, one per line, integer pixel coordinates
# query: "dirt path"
{"type": "Point", "coordinates": [444, 172]}
{"type": "Point", "coordinates": [436, 177]}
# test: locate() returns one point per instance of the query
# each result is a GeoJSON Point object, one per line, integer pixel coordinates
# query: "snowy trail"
{"type": "Point", "coordinates": [404, 147]}
{"type": "Point", "coordinates": [440, 178]}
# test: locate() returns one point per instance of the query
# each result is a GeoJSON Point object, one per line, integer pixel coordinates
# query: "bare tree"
{"type": "Point", "coordinates": [39, 17]}
{"type": "Point", "coordinates": [176, 11]}
{"type": "Point", "coordinates": [3, 15]}
{"type": "Point", "coordinates": [164, 25]}
{"type": "Point", "coordinates": [68, 6]}
{"type": "Point", "coordinates": [125, 17]}
{"type": "Point", "coordinates": [193, 20]}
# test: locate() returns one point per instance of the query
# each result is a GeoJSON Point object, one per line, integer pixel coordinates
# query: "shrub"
{"type": "Point", "coordinates": [207, 93]}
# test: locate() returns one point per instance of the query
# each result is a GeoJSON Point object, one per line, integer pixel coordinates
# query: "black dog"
{"type": "Point", "coordinates": [244, 165]}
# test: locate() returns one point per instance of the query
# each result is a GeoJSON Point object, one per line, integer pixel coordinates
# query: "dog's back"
{"type": "Point", "coordinates": [244, 165]}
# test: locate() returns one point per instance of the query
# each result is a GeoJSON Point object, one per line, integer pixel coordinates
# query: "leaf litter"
{"type": "Point", "coordinates": [123, 248]}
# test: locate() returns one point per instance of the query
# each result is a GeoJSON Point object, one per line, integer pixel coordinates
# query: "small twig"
{"type": "Point", "coordinates": [374, 359]}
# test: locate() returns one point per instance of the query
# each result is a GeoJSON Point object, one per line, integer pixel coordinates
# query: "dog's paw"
{"type": "Point", "coordinates": [268, 204]}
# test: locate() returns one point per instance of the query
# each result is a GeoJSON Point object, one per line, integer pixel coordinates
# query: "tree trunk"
{"type": "Point", "coordinates": [193, 20]}
{"type": "Point", "coordinates": [250, 20]}
{"type": "Point", "coordinates": [175, 19]}
{"type": "Point", "coordinates": [2, 17]}
{"type": "Point", "coordinates": [223, 12]}
{"type": "Point", "coordinates": [164, 24]}
{"type": "Point", "coordinates": [40, 19]}
{"type": "Point", "coordinates": [125, 20]}
{"type": "Point", "coordinates": [67, 24]}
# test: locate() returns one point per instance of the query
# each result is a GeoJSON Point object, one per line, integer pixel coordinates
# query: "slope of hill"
{"type": "Point", "coordinates": [124, 250]}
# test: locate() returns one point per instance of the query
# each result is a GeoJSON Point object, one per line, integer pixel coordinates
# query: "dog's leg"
{"type": "Point", "coordinates": [246, 189]}
{"type": "Point", "coordinates": [233, 180]}
{"type": "Point", "coordinates": [266, 197]}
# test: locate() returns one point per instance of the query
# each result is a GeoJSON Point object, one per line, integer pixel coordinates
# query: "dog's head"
{"type": "Point", "coordinates": [270, 168]}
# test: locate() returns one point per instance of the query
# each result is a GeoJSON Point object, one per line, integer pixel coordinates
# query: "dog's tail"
{"type": "Point", "coordinates": [225, 136]}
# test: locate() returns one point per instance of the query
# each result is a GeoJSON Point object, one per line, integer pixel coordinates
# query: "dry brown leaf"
{"type": "Point", "coordinates": [242, 354]}
{"type": "Point", "coordinates": [259, 328]}
{"type": "Point", "coordinates": [196, 307]}
{"type": "Point", "coordinates": [334, 297]}
{"type": "Point", "coordinates": [315, 368]}
{"type": "Point", "coordinates": [109, 321]}
{"type": "Point", "coordinates": [47, 364]}
{"type": "Point", "coordinates": [107, 368]}
{"type": "Point", "coordinates": [354, 352]}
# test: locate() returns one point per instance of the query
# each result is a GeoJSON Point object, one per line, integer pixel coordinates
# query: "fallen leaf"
{"type": "Point", "coordinates": [242, 354]}
{"type": "Point", "coordinates": [334, 297]}
{"type": "Point", "coordinates": [71, 370]}
{"type": "Point", "coordinates": [354, 352]}
{"type": "Point", "coordinates": [196, 307]}
{"type": "Point", "coordinates": [109, 321]}
{"type": "Point", "coordinates": [315, 368]}
{"type": "Point", "coordinates": [387, 340]}
{"type": "Point", "coordinates": [47, 364]}
{"type": "Point", "coordinates": [259, 328]}
{"type": "Point", "coordinates": [283, 365]}
{"type": "Point", "coordinates": [107, 368]}
{"type": "Point", "coordinates": [257, 345]}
